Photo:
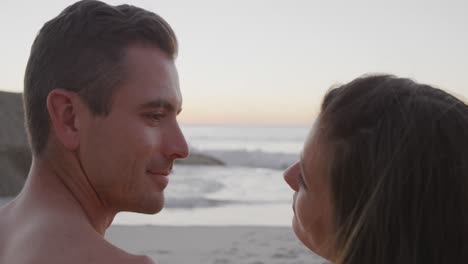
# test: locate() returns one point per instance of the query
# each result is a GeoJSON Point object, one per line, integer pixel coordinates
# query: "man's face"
{"type": "Point", "coordinates": [128, 154]}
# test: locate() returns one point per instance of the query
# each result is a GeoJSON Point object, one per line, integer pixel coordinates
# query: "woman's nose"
{"type": "Point", "coordinates": [291, 176]}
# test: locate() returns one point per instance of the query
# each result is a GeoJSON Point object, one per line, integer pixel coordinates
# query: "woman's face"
{"type": "Point", "coordinates": [312, 203]}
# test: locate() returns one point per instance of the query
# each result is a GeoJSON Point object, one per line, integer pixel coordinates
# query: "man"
{"type": "Point", "coordinates": [101, 98]}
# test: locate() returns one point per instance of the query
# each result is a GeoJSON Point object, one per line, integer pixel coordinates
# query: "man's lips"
{"type": "Point", "coordinates": [161, 178]}
{"type": "Point", "coordinates": [159, 173]}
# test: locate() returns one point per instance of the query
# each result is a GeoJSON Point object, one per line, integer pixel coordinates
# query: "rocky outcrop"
{"type": "Point", "coordinates": [14, 166]}
{"type": "Point", "coordinates": [12, 132]}
{"type": "Point", "coordinates": [15, 156]}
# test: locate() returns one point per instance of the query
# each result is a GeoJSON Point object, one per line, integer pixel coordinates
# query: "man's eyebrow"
{"type": "Point", "coordinates": [160, 103]}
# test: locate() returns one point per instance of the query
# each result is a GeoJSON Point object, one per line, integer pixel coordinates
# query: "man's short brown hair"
{"type": "Point", "coordinates": [82, 50]}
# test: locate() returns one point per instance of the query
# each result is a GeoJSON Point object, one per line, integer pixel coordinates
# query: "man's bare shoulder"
{"type": "Point", "coordinates": [142, 260]}
{"type": "Point", "coordinates": [119, 256]}
{"type": "Point", "coordinates": [54, 251]}
{"type": "Point", "coordinates": [41, 241]}
{"type": "Point", "coordinates": [113, 254]}
{"type": "Point", "coordinates": [97, 250]}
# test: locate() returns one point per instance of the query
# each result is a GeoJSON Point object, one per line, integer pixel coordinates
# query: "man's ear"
{"type": "Point", "coordinates": [62, 106]}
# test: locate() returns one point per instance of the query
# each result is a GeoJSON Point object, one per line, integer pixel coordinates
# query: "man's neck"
{"type": "Point", "coordinates": [61, 185]}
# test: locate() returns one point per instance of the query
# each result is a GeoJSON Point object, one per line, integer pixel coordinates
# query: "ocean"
{"type": "Point", "coordinates": [248, 191]}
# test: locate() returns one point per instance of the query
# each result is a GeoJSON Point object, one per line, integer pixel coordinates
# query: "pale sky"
{"type": "Point", "coordinates": [270, 62]}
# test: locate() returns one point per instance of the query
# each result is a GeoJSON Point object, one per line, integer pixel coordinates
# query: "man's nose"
{"type": "Point", "coordinates": [291, 176]}
{"type": "Point", "coordinates": [177, 147]}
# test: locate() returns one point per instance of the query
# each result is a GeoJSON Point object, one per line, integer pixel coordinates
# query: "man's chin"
{"type": "Point", "coordinates": [148, 206]}
{"type": "Point", "coordinates": [148, 210]}
{"type": "Point", "coordinates": [153, 208]}
{"type": "Point", "coordinates": [151, 211]}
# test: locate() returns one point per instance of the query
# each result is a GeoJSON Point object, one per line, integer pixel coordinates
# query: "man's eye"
{"type": "Point", "coordinates": [154, 117]}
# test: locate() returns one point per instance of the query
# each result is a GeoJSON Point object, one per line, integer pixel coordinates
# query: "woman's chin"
{"type": "Point", "coordinates": [302, 235]}
{"type": "Point", "coordinates": [309, 242]}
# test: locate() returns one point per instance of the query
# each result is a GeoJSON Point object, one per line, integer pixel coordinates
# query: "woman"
{"type": "Point", "coordinates": [383, 177]}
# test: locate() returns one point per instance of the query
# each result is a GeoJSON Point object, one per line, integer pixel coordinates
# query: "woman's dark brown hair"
{"type": "Point", "coordinates": [398, 171]}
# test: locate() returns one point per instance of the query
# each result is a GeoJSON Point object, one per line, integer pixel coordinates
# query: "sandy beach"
{"type": "Point", "coordinates": [213, 245]}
